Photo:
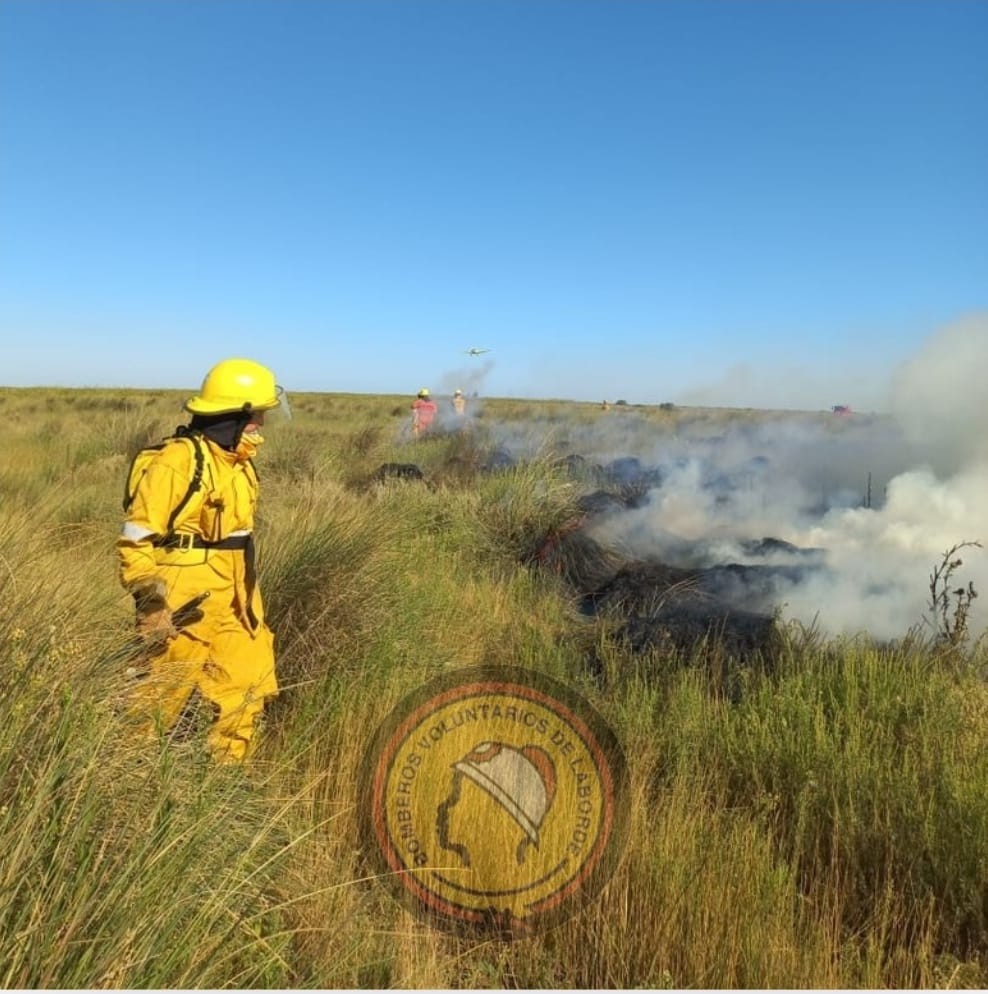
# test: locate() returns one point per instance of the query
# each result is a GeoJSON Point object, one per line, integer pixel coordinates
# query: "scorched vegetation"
{"type": "Point", "coordinates": [807, 811]}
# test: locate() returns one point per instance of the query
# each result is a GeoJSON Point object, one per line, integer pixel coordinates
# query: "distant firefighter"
{"type": "Point", "coordinates": [423, 412]}
{"type": "Point", "coordinates": [459, 403]}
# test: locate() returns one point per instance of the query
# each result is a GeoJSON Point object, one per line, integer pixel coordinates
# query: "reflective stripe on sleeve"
{"type": "Point", "coordinates": [135, 533]}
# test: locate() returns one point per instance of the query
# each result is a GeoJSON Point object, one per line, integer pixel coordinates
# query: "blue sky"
{"type": "Point", "coordinates": [767, 204]}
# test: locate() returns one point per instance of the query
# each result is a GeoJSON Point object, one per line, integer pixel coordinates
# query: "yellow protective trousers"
{"type": "Point", "coordinates": [229, 666]}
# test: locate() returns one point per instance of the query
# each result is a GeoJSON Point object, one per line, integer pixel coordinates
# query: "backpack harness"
{"type": "Point", "coordinates": [139, 466]}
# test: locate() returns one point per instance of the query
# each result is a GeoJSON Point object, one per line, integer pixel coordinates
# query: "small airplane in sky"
{"type": "Point", "coordinates": [476, 351]}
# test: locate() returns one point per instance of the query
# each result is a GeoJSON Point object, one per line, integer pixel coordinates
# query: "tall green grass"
{"type": "Point", "coordinates": [822, 825]}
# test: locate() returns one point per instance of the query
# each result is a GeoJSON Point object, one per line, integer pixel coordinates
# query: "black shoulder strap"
{"type": "Point", "coordinates": [128, 497]}
{"type": "Point", "coordinates": [183, 431]}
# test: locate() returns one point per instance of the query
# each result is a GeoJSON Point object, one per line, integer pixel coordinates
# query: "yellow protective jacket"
{"type": "Point", "coordinates": [222, 508]}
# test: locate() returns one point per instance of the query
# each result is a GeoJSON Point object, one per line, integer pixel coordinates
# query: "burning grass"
{"type": "Point", "coordinates": [822, 824]}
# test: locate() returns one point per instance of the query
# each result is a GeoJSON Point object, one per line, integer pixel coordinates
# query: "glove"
{"type": "Point", "coordinates": [154, 617]}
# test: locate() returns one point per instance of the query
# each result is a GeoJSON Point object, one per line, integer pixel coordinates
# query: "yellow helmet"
{"type": "Point", "coordinates": [424, 392]}
{"type": "Point", "coordinates": [457, 393]}
{"type": "Point", "coordinates": [236, 385]}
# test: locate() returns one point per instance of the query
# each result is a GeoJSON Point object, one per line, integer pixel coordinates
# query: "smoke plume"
{"type": "Point", "coordinates": [865, 505]}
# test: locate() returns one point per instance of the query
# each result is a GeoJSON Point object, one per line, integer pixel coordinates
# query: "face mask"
{"type": "Point", "coordinates": [248, 444]}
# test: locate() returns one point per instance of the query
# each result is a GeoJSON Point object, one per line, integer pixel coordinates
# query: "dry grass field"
{"type": "Point", "coordinates": [822, 822]}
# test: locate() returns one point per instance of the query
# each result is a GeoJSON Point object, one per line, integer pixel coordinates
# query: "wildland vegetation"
{"type": "Point", "coordinates": [822, 822]}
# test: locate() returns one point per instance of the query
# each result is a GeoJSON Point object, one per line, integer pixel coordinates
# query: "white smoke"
{"type": "Point", "coordinates": [881, 497]}
{"type": "Point", "coordinates": [938, 396]}
{"type": "Point", "coordinates": [468, 378]}
{"type": "Point", "coordinates": [882, 559]}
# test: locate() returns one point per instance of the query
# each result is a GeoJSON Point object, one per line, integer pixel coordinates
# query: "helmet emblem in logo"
{"type": "Point", "coordinates": [494, 800]}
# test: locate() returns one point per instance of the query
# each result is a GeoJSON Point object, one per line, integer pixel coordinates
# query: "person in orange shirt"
{"type": "Point", "coordinates": [423, 412]}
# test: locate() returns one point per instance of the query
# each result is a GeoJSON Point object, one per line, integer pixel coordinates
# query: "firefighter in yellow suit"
{"type": "Point", "coordinates": [228, 653]}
